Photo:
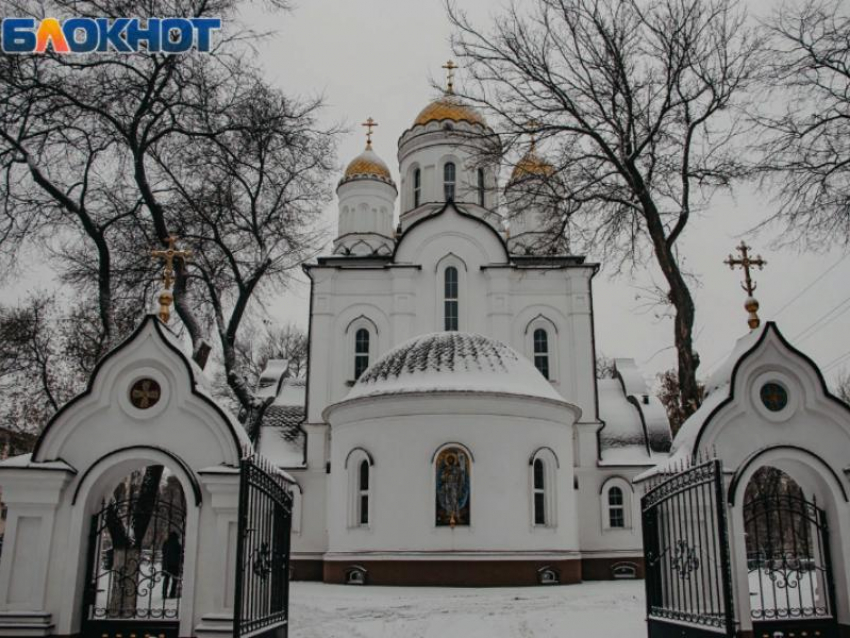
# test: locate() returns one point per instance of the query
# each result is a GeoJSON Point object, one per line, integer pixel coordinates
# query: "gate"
{"type": "Point", "coordinates": [686, 551]}
{"type": "Point", "coordinates": [789, 568]}
{"type": "Point", "coordinates": [261, 604]}
{"type": "Point", "coordinates": [134, 569]}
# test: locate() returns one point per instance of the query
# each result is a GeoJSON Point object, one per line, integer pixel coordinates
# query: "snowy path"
{"type": "Point", "coordinates": [609, 609]}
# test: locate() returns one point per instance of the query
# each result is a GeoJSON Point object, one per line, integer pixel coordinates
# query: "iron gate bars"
{"type": "Point", "coordinates": [788, 559]}
{"type": "Point", "coordinates": [686, 549]}
{"type": "Point", "coordinates": [135, 569]}
{"type": "Point", "coordinates": [262, 552]}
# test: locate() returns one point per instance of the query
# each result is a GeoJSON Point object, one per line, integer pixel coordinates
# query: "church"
{"type": "Point", "coordinates": [452, 429]}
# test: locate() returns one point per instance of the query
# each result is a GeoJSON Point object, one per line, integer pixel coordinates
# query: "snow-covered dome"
{"type": "Point", "coordinates": [453, 362]}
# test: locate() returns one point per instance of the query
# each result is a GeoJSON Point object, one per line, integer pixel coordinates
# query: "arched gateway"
{"type": "Point", "coordinates": [754, 542]}
{"type": "Point", "coordinates": [131, 516]}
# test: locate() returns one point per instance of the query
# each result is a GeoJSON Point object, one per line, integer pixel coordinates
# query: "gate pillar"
{"type": "Point", "coordinates": [216, 574]}
{"type": "Point", "coordinates": [33, 495]}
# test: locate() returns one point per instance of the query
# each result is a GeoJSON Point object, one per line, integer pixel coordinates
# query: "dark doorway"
{"type": "Point", "coordinates": [788, 559]}
{"type": "Point", "coordinates": [135, 559]}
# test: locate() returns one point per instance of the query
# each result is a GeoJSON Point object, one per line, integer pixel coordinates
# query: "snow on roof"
{"type": "Point", "coordinates": [281, 438]}
{"type": "Point", "coordinates": [453, 362]}
{"type": "Point", "coordinates": [271, 376]}
{"type": "Point", "coordinates": [622, 439]}
{"type": "Point", "coordinates": [24, 461]}
{"type": "Point", "coordinates": [653, 415]}
{"type": "Point", "coordinates": [722, 375]}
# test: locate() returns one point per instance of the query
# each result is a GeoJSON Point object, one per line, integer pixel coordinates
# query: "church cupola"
{"type": "Point", "coordinates": [531, 196]}
{"type": "Point", "coordinates": [442, 158]}
{"type": "Point", "coordinates": [367, 195]}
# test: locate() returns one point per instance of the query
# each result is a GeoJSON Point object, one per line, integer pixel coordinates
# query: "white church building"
{"type": "Point", "coordinates": [452, 429]}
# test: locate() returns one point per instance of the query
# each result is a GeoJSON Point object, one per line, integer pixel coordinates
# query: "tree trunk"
{"type": "Point", "coordinates": [680, 296]}
{"type": "Point", "coordinates": [124, 590]}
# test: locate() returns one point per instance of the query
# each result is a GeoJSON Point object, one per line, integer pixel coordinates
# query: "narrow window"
{"type": "Point", "coordinates": [616, 511]}
{"type": "Point", "coordinates": [417, 187]}
{"type": "Point", "coordinates": [451, 299]}
{"type": "Point", "coordinates": [541, 351]}
{"type": "Point", "coordinates": [449, 181]}
{"type": "Point", "coordinates": [539, 493]}
{"type": "Point", "coordinates": [361, 352]}
{"type": "Point", "coordinates": [363, 494]}
{"type": "Point", "coordinates": [481, 187]}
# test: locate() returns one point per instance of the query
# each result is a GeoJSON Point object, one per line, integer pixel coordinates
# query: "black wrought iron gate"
{"type": "Point", "coordinates": [789, 568]}
{"type": "Point", "coordinates": [261, 606]}
{"type": "Point", "coordinates": [134, 568]}
{"type": "Point", "coordinates": [686, 548]}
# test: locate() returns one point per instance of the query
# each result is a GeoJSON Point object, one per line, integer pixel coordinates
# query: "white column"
{"type": "Point", "coordinates": [32, 495]}
{"type": "Point", "coordinates": [217, 541]}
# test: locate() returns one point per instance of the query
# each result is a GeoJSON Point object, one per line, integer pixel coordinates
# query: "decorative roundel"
{"type": "Point", "coordinates": [774, 396]}
{"type": "Point", "coordinates": [145, 393]}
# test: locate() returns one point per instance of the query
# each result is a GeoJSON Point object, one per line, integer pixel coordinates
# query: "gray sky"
{"type": "Point", "coordinates": [378, 57]}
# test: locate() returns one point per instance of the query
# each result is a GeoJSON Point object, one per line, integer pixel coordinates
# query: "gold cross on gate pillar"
{"type": "Point", "coordinates": [369, 124]}
{"type": "Point", "coordinates": [746, 263]}
{"type": "Point", "coordinates": [450, 67]}
{"type": "Point", "coordinates": [168, 256]}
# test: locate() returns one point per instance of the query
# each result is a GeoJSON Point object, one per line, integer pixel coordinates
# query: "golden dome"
{"type": "Point", "coordinates": [530, 166]}
{"type": "Point", "coordinates": [366, 165]}
{"type": "Point", "coordinates": [451, 108]}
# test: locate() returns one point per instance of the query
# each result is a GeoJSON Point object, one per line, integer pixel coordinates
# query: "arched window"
{"type": "Point", "coordinates": [363, 493]}
{"type": "Point", "coordinates": [453, 487]}
{"type": "Point", "coordinates": [541, 351]}
{"type": "Point", "coordinates": [450, 299]}
{"type": "Point", "coordinates": [417, 187]}
{"type": "Point", "coordinates": [544, 466]}
{"type": "Point", "coordinates": [361, 352]}
{"type": "Point", "coordinates": [616, 510]}
{"type": "Point", "coordinates": [539, 492]}
{"type": "Point", "coordinates": [616, 504]}
{"type": "Point", "coordinates": [449, 179]}
{"type": "Point", "coordinates": [481, 187]}
{"type": "Point", "coordinates": [358, 464]}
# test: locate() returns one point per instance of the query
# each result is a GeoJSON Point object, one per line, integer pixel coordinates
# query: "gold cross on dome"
{"type": "Point", "coordinates": [746, 262]}
{"type": "Point", "coordinates": [369, 124]}
{"type": "Point", "coordinates": [168, 256]}
{"type": "Point", "coordinates": [450, 67]}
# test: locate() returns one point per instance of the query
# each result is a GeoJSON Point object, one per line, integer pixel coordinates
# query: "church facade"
{"type": "Point", "coordinates": [452, 429]}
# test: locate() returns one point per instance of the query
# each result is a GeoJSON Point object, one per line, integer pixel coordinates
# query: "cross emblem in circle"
{"type": "Point", "coordinates": [145, 393]}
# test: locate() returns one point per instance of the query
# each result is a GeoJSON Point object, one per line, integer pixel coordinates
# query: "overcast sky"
{"type": "Point", "coordinates": [378, 57]}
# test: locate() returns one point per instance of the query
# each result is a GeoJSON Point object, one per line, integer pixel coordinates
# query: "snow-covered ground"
{"type": "Point", "coordinates": [610, 609]}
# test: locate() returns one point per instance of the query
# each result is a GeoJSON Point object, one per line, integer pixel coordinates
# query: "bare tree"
{"type": "Point", "coordinates": [805, 143]}
{"type": "Point", "coordinates": [635, 102]}
{"type": "Point", "coordinates": [259, 344]}
{"type": "Point", "coordinates": [105, 156]}
{"type": "Point", "coordinates": [35, 378]}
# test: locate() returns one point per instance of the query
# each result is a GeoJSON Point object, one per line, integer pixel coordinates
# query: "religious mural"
{"type": "Point", "coordinates": [453, 489]}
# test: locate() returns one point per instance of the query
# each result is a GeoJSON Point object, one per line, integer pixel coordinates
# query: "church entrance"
{"type": "Point", "coordinates": [788, 559]}
{"type": "Point", "coordinates": [135, 559]}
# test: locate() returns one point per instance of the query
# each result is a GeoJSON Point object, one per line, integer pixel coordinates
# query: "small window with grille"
{"type": "Point", "coordinates": [449, 180]}
{"type": "Point", "coordinates": [451, 299]}
{"type": "Point", "coordinates": [361, 352]}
